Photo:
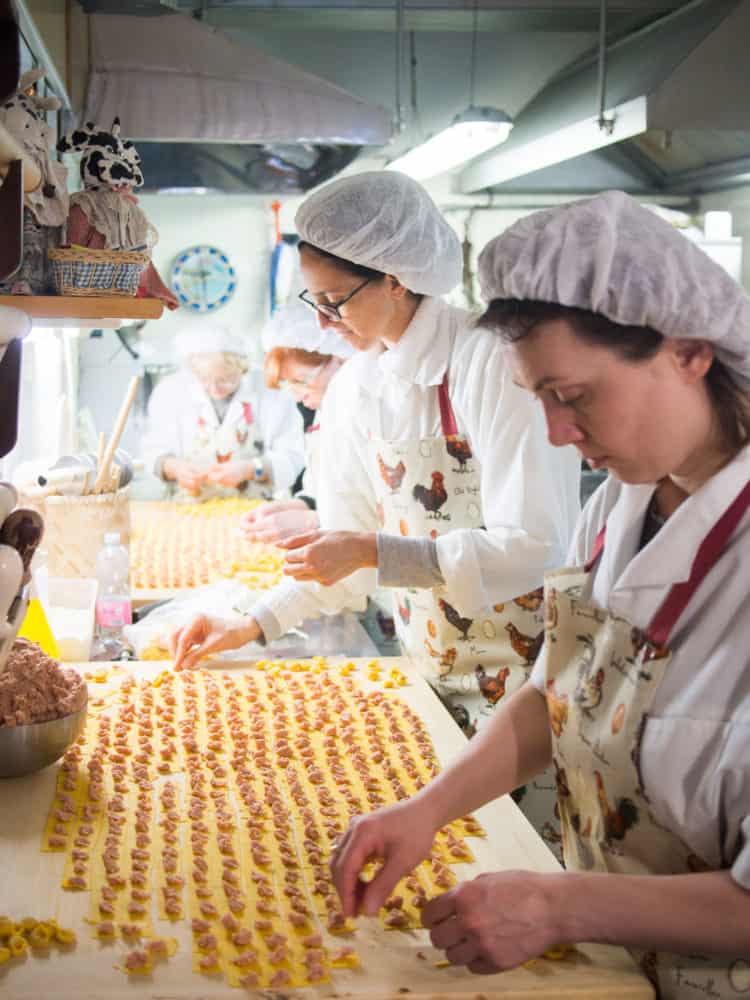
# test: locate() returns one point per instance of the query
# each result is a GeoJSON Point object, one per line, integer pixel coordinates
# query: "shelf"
{"type": "Point", "coordinates": [68, 310]}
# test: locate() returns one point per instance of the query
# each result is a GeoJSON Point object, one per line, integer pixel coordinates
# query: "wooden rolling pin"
{"type": "Point", "coordinates": [102, 477]}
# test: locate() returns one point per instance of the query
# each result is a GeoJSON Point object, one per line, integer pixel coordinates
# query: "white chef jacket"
{"type": "Point", "coordinates": [179, 402]}
{"type": "Point", "coordinates": [312, 460]}
{"type": "Point", "coordinates": [695, 749]}
{"type": "Point", "coordinates": [529, 490]}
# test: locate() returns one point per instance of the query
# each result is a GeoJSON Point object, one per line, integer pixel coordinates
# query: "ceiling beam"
{"type": "Point", "coordinates": [501, 17]}
{"type": "Point", "coordinates": [712, 177]}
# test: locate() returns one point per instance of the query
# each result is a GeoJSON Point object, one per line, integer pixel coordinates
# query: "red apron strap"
{"type": "Point", "coordinates": [447, 417]}
{"type": "Point", "coordinates": [707, 556]}
{"type": "Point", "coordinates": [597, 549]}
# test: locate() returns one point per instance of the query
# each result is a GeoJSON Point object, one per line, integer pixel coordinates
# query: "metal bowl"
{"type": "Point", "coordinates": [25, 749]}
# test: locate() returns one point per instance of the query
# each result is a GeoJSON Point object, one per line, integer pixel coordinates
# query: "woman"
{"type": "Point", "coordinates": [427, 439]}
{"type": "Point", "coordinates": [637, 345]}
{"type": "Point", "coordinates": [215, 430]}
{"type": "Point", "coordinates": [303, 359]}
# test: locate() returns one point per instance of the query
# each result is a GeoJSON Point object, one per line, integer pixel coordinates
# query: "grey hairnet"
{"type": "Point", "coordinates": [384, 220]}
{"type": "Point", "coordinates": [612, 256]}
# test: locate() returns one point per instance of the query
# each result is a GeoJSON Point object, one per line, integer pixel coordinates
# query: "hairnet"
{"type": "Point", "coordinates": [384, 220]}
{"type": "Point", "coordinates": [206, 337]}
{"type": "Point", "coordinates": [612, 256]}
{"type": "Point", "coordinates": [296, 325]}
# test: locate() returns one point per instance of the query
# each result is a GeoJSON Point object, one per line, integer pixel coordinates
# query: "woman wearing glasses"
{"type": "Point", "coordinates": [215, 430]}
{"type": "Point", "coordinates": [301, 359]}
{"type": "Point", "coordinates": [437, 479]}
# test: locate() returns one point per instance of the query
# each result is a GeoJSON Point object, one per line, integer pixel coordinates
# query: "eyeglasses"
{"type": "Point", "coordinates": [331, 310]}
{"type": "Point", "coordinates": [302, 383]}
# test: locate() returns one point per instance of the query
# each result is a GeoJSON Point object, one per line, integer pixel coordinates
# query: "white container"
{"type": "Point", "coordinates": [70, 611]}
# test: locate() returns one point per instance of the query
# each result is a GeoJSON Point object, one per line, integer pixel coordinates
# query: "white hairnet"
{"type": "Point", "coordinates": [296, 325]}
{"type": "Point", "coordinates": [384, 220]}
{"type": "Point", "coordinates": [207, 337]}
{"type": "Point", "coordinates": [612, 256]}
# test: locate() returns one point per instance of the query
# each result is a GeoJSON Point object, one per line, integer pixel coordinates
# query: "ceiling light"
{"type": "Point", "coordinates": [473, 132]}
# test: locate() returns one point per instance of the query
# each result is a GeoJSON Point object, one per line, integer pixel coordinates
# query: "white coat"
{"type": "Point", "coordinates": [259, 422]}
{"type": "Point", "coordinates": [694, 760]}
{"type": "Point", "coordinates": [529, 490]}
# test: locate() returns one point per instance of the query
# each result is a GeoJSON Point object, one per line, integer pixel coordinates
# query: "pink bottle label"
{"type": "Point", "coordinates": [113, 612]}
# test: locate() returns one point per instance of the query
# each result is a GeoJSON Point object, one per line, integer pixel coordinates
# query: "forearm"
{"type": "Point", "coordinates": [706, 913]}
{"type": "Point", "coordinates": [516, 740]}
{"type": "Point", "coordinates": [407, 562]}
{"type": "Point", "coordinates": [290, 602]}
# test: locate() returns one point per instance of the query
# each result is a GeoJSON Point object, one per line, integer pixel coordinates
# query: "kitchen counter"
{"type": "Point", "coordinates": [392, 963]}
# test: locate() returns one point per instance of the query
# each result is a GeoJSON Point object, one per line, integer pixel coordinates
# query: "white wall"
{"type": "Point", "coordinates": [241, 226]}
{"type": "Point", "coordinates": [736, 201]}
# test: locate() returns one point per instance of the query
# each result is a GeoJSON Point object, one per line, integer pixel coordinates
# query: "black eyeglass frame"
{"type": "Point", "coordinates": [331, 309]}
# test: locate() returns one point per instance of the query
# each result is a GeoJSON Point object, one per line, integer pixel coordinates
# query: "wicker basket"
{"type": "Point", "coordinates": [80, 271]}
{"type": "Point", "coordinates": [75, 530]}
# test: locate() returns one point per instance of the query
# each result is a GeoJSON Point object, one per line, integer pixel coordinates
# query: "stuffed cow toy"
{"type": "Point", "coordinates": [106, 214]}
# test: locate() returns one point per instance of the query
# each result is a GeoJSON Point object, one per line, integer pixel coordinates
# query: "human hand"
{"type": "Point", "coordinates": [188, 477]}
{"type": "Point", "coordinates": [207, 634]}
{"type": "Point", "coordinates": [328, 556]}
{"type": "Point", "coordinates": [399, 835]}
{"type": "Point", "coordinates": [230, 474]}
{"type": "Point", "coordinates": [496, 921]}
{"type": "Point", "coordinates": [275, 522]}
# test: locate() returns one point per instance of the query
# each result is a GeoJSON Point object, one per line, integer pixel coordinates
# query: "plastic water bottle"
{"type": "Point", "coordinates": [113, 607]}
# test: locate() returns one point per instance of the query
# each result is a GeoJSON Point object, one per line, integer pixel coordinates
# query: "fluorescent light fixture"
{"type": "Point", "coordinates": [556, 146]}
{"type": "Point", "coordinates": [473, 132]}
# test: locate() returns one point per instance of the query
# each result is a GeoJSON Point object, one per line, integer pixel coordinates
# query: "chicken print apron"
{"type": "Point", "coordinates": [236, 438]}
{"type": "Point", "coordinates": [427, 487]}
{"type": "Point", "coordinates": [601, 678]}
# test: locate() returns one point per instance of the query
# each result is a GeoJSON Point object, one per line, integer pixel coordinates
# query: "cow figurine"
{"type": "Point", "coordinates": [106, 214]}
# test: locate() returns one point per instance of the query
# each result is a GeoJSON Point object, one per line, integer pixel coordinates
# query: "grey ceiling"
{"type": "Point", "coordinates": [522, 46]}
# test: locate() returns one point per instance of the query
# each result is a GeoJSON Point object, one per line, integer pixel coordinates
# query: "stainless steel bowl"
{"type": "Point", "coordinates": [25, 749]}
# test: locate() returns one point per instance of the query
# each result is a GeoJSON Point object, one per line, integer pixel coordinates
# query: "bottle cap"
{"type": "Point", "coordinates": [112, 538]}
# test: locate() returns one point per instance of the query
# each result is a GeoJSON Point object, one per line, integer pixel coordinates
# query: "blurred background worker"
{"type": "Point", "coordinates": [302, 359]}
{"type": "Point", "coordinates": [215, 430]}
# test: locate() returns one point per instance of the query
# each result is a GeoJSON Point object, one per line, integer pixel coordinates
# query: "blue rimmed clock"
{"type": "Point", "coordinates": [203, 279]}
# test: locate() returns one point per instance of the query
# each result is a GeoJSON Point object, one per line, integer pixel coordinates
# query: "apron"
{"type": "Point", "coordinates": [426, 487]}
{"type": "Point", "coordinates": [601, 678]}
{"type": "Point", "coordinates": [237, 438]}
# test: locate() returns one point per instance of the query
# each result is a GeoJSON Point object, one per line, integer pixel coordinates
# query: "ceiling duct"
{"type": "Point", "coordinates": [686, 71]}
{"type": "Point", "coordinates": [256, 123]}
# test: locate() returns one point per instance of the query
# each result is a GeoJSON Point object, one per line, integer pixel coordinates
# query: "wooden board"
{"type": "Point", "coordinates": [84, 307]}
{"type": "Point", "coordinates": [393, 963]}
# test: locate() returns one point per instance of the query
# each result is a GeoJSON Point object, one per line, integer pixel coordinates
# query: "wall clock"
{"type": "Point", "coordinates": [203, 279]}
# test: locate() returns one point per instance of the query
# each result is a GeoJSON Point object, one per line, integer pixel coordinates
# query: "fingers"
{"type": "Point", "coordinates": [298, 541]}
{"type": "Point", "coordinates": [346, 865]}
{"type": "Point", "coordinates": [448, 934]}
{"type": "Point", "coordinates": [439, 909]}
{"type": "Point", "coordinates": [376, 893]}
{"type": "Point", "coordinates": [173, 641]}
{"type": "Point", "coordinates": [185, 638]}
{"type": "Point", "coordinates": [465, 952]}
{"type": "Point", "coordinates": [481, 967]}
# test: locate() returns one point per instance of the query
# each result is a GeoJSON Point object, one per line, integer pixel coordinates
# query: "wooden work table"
{"type": "Point", "coordinates": [394, 964]}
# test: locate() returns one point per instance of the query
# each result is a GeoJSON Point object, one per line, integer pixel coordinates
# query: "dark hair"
{"type": "Point", "coordinates": [515, 319]}
{"type": "Point", "coordinates": [358, 270]}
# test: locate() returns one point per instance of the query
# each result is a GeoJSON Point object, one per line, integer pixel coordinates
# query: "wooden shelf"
{"type": "Point", "coordinates": [87, 310]}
